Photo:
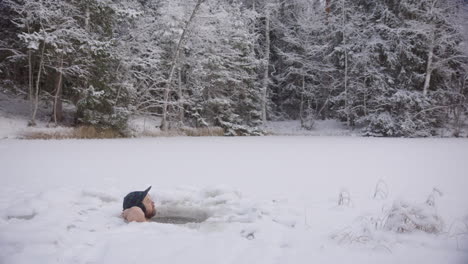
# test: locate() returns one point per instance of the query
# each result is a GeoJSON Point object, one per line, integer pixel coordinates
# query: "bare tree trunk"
{"type": "Point", "coordinates": [120, 86]}
{"type": "Point", "coordinates": [181, 99]}
{"type": "Point", "coordinates": [430, 58]}
{"type": "Point", "coordinates": [458, 110]}
{"type": "Point", "coordinates": [174, 63]}
{"type": "Point", "coordinates": [348, 121]}
{"type": "Point", "coordinates": [365, 104]}
{"type": "Point", "coordinates": [267, 66]}
{"type": "Point", "coordinates": [30, 81]}
{"type": "Point", "coordinates": [87, 18]}
{"type": "Point", "coordinates": [301, 107]}
{"type": "Point", "coordinates": [32, 122]}
{"type": "Point", "coordinates": [58, 110]}
{"type": "Point", "coordinates": [87, 29]}
{"type": "Point", "coordinates": [327, 6]}
{"type": "Point", "coordinates": [30, 73]}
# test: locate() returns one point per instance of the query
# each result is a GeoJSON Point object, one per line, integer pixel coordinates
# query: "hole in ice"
{"type": "Point", "coordinates": [22, 217]}
{"type": "Point", "coordinates": [180, 215]}
{"type": "Point", "coordinates": [177, 220]}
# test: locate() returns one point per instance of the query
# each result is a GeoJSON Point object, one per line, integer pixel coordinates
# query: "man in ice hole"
{"type": "Point", "coordinates": [138, 206]}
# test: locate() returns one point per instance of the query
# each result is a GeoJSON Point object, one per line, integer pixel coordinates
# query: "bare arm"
{"type": "Point", "coordinates": [134, 214]}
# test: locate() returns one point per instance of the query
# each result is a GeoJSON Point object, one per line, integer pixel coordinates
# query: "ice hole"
{"type": "Point", "coordinates": [22, 217]}
{"type": "Point", "coordinates": [180, 215]}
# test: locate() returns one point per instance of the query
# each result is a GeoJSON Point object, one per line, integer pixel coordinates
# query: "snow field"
{"type": "Point", "coordinates": [268, 200]}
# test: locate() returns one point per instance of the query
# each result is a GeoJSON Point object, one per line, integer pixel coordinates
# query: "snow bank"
{"type": "Point", "coordinates": [259, 200]}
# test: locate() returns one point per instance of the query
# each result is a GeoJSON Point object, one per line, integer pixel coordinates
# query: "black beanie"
{"type": "Point", "coordinates": [135, 199]}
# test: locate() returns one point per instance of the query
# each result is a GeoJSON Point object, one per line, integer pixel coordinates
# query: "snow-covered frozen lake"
{"type": "Point", "coordinates": [268, 200]}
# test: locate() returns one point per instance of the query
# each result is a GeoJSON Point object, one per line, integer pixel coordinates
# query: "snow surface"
{"type": "Point", "coordinates": [268, 200]}
{"type": "Point", "coordinates": [15, 113]}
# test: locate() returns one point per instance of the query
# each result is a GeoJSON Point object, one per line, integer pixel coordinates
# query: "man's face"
{"type": "Point", "coordinates": [149, 206]}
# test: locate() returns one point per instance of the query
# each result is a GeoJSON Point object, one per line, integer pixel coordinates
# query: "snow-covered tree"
{"type": "Point", "coordinates": [390, 68]}
{"type": "Point", "coordinates": [221, 76]}
{"type": "Point", "coordinates": [423, 60]}
{"type": "Point", "coordinates": [303, 70]}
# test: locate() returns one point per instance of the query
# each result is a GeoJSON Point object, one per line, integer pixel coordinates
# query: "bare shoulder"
{"type": "Point", "coordinates": [134, 214]}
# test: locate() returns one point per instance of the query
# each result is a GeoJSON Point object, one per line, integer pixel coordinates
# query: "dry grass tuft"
{"type": "Point", "coordinates": [365, 231]}
{"type": "Point", "coordinates": [381, 190]}
{"type": "Point", "coordinates": [432, 197]}
{"type": "Point", "coordinates": [344, 198]}
{"type": "Point", "coordinates": [185, 131]}
{"type": "Point", "coordinates": [203, 131]}
{"type": "Point", "coordinates": [459, 231]}
{"type": "Point", "coordinates": [405, 217]}
{"type": "Point", "coordinates": [46, 135]}
{"type": "Point", "coordinates": [82, 132]}
{"type": "Point", "coordinates": [90, 132]}
{"type": "Point", "coordinates": [158, 133]}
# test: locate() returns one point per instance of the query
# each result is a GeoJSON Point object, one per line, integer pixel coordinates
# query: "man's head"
{"type": "Point", "coordinates": [149, 206]}
{"type": "Point", "coordinates": [140, 199]}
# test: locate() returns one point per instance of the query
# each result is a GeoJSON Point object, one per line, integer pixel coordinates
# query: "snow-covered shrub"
{"type": "Point", "coordinates": [220, 113]}
{"type": "Point", "coordinates": [375, 230]}
{"type": "Point", "coordinates": [381, 124]}
{"type": "Point", "coordinates": [97, 109]}
{"type": "Point", "coordinates": [404, 114]}
{"type": "Point", "coordinates": [406, 217]}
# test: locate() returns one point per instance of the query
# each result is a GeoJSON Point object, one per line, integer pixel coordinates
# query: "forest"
{"type": "Point", "coordinates": [392, 68]}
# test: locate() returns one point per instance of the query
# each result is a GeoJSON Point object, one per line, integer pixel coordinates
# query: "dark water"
{"type": "Point", "coordinates": [177, 220]}
{"type": "Point", "coordinates": [22, 217]}
{"type": "Point", "coordinates": [180, 215]}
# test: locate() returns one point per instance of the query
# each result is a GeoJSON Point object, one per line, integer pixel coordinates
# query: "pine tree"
{"type": "Point", "coordinates": [223, 73]}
